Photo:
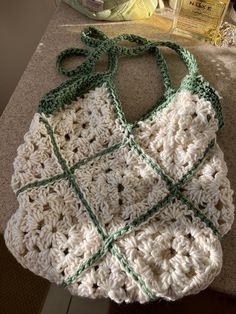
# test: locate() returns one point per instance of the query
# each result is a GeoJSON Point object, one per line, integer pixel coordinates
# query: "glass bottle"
{"type": "Point", "coordinates": [199, 18]}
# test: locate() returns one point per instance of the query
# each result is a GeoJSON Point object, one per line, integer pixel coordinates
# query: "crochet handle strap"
{"type": "Point", "coordinates": [103, 45]}
{"type": "Point", "coordinates": [87, 66]}
{"type": "Point", "coordinates": [93, 37]}
{"type": "Point", "coordinates": [184, 54]}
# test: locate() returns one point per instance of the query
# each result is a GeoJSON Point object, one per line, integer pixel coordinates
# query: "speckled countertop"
{"type": "Point", "coordinates": [134, 80]}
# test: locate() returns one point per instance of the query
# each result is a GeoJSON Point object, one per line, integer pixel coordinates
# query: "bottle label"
{"type": "Point", "coordinates": [200, 16]}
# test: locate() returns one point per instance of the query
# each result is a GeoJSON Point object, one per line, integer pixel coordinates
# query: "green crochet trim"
{"type": "Point", "coordinates": [198, 214]}
{"type": "Point", "coordinates": [99, 154]}
{"type": "Point", "coordinates": [150, 162]}
{"type": "Point", "coordinates": [68, 91]}
{"type": "Point", "coordinates": [38, 183]}
{"type": "Point", "coordinates": [202, 88]}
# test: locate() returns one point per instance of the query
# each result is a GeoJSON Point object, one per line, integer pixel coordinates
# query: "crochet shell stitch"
{"type": "Point", "coordinates": [129, 211]}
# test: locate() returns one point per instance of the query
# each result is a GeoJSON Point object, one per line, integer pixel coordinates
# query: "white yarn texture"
{"type": "Point", "coordinates": [174, 253]}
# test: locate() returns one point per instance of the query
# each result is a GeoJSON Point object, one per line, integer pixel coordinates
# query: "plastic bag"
{"type": "Point", "coordinates": [114, 10]}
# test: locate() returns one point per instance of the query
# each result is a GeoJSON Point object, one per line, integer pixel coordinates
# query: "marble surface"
{"type": "Point", "coordinates": [138, 84]}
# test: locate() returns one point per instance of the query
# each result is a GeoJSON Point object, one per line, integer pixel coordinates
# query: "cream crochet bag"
{"type": "Point", "coordinates": [129, 211]}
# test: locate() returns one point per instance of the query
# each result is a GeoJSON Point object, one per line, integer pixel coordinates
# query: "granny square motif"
{"type": "Point", "coordinates": [130, 211]}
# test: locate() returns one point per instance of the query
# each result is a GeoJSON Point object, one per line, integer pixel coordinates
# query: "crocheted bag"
{"type": "Point", "coordinates": [130, 211]}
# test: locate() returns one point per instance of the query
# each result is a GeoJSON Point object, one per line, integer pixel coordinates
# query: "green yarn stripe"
{"type": "Point", "coordinates": [150, 162]}
{"type": "Point", "coordinates": [196, 165]}
{"type": "Point", "coordinates": [116, 104]}
{"type": "Point", "coordinates": [199, 214]}
{"type": "Point", "coordinates": [143, 218]}
{"type": "Point", "coordinates": [158, 106]}
{"type": "Point", "coordinates": [99, 154]}
{"type": "Point", "coordinates": [85, 265]}
{"type": "Point", "coordinates": [92, 216]}
{"type": "Point", "coordinates": [84, 161]}
{"type": "Point", "coordinates": [39, 183]}
{"type": "Point", "coordinates": [202, 90]}
{"type": "Point", "coordinates": [107, 242]}
{"type": "Point", "coordinates": [153, 210]}
{"type": "Point", "coordinates": [56, 151]}
{"type": "Point", "coordinates": [129, 270]}
{"type": "Point", "coordinates": [68, 91]}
